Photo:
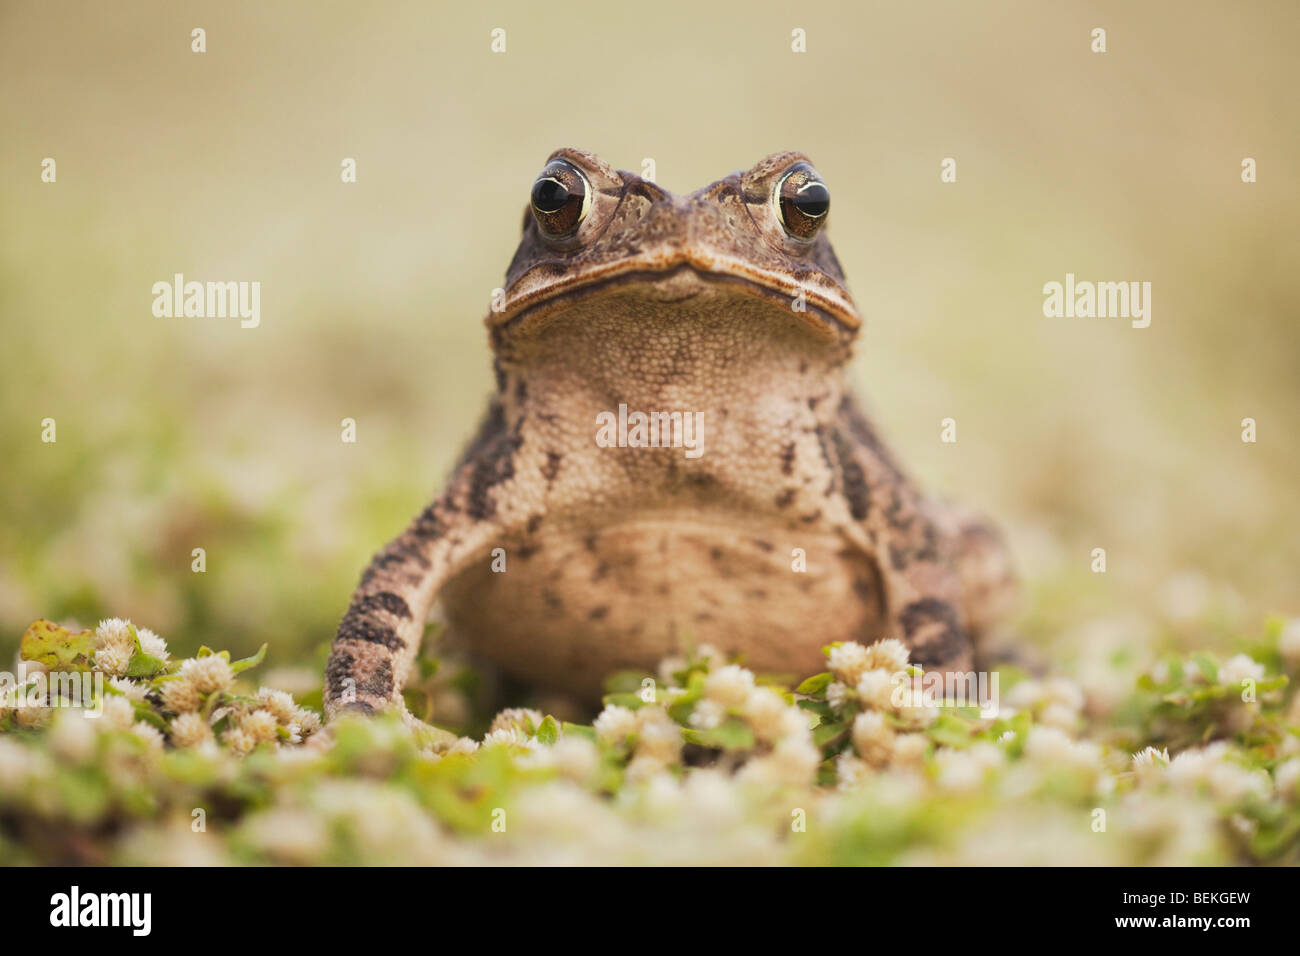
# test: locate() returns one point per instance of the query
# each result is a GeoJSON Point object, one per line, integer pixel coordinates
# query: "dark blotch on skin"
{"type": "Point", "coordinates": [342, 667]}
{"type": "Point", "coordinates": [379, 683]}
{"type": "Point", "coordinates": [394, 604]}
{"type": "Point", "coordinates": [552, 466]}
{"type": "Point", "coordinates": [787, 459]}
{"type": "Point", "coordinates": [495, 466]}
{"type": "Point", "coordinates": [402, 552]}
{"type": "Point", "coordinates": [856, 490]}
{"type": "Point", "coordinates": [337, 670]}
{"type": "Point", "coordinates": [786, 498]}
{"type": "Point", "coordinates": [598, 613]}
{"type": "Point", "coordinates": [361, 624]}
{"type": "Point", "coordinates": [948, 645]}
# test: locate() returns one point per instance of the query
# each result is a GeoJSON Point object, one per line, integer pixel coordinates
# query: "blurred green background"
{"type": "Point", "coordinates": [1076, 433]}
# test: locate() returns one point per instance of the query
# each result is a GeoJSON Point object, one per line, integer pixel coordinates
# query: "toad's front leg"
{"type": "Point", "coordinates": [379, 636]}
{"type": "Point", "coordinates": [918, 552]}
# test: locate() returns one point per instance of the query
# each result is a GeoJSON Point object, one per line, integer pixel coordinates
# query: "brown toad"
{"type": "Point", "coordinates": [672, 456]}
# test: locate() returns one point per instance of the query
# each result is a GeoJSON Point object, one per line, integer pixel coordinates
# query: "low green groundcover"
{"type": "Point", "coordinates": [1194, 760]}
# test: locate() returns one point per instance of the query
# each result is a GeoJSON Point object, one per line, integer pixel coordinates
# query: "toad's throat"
{"type": "Point", "coordinates": [676, 281]}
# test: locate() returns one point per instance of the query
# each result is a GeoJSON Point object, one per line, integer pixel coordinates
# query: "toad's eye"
{"type": "Point", "coordinates": [802, 201]}
{"type": "Point", "coordinates": [560, 200]}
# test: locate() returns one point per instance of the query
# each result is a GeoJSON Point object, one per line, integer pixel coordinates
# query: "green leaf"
{"type": "Point", "coordinates": [819, 707]}
{"type": "Point", "coordinates": [829, 732]}
{"type": "Point", "coordinates": [549, 731]}
{"type": "Point", "coordinates": [625, 682]}
{"type": "Point", "coordinates": [732, 734]}
{"type": "Point", "coordinates": [815, 685]}
{"type": "Point", "coordinates": [630, 701]}
{"type": "Point", "coordinates": [247, 662]}
{"type": "Point", "coordinates": [144, 665]}
{"type": "Point", "coordinates": [579, 730]}
{"type": "Point", "coordinates": [58, 648]}
{"type": "Point", "coordinates": [949, 731]}
{"type": "Point", "coordinates": [1207, 666]}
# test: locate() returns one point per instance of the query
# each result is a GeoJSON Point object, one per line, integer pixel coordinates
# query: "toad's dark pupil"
{"type": "Point", "coordinates": [549, 195]}
{"type": "Point", "coordinates": [813, 200]}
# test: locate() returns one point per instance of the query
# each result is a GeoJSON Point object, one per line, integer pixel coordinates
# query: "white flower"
{"type": "Point", "coordinates": [645, 767]}
{"type": "Point", "coordinates": [848, 662]}
{"type": "Point", "coordinates": [209, 673]}
{"type": "Point", "coordinates": [308, 721]}
{"type": "Point", "coordinates": [876, 689]}
{"type": "Point", "coordinates": [708, 714]}
{"type": "Point", "coordinates": [575, 757]}
{"type": "Point", "coordinates": [132, 690]}
{"type": "Point", "coordinates": [1240, 668]}
{"type": "Point", "coordinates": [771, 717]}
{"type": "Point", "coordinates": [463, 746]}
{"type": "Point", "coordinates": [1053, 745]}
{"type": "Point", "coordinates": [238, 741]}
{"type": "Point", "coordinates": [118, 713]}
{"type": "Point", "coordinates": [73, 736]}
{"type": "Point", "coordinates": [1150, 757]}
{"type": "Point", "coordinates": [506, 737]}
{"type": "Point", "coordinates": [850, 770]}
{"type": "Point", "coordinates": [151, 643]}
{"type": "Point", "coordinates": [1056, 714]}
{"type": "Point", "coordinates": [889, 654]}
{"type": "Point", "coordinates": [837, 695]}
{"type": "Point", "coordinates": [658, 735]}
{"type": "Point", "coordinates": [280, 704]}
{"type": "Point", "coordinates": [614, 725]}
{"type": "Point", "coordinates": [520, 718]}
{"type": "Point", "coordinates": [179, 695]}
{"type": "Point", "coordinates": [1286, 777]}
{"type": "Point", "coordinates": [148, 733]}
{"type": "Point", "coordinates": [873, 738]}
{"type": "Point", "coordinates": [910, 749]}
{"type": "Point", "coordinates": [261, 725]}
{"type": "Point", "coordinates": [730, 686]}
{"type": "Point", "coordinates": [1232, 783]}
{"type": "Point", "coordinates": [190, 730]}
{"type": "Point", "coordinates": [1289, 642]}
{"type": "Point", "coordinates": [114, 659]}
{"type": "Point", "coordinates": [959, 771]}
{"type": "Point", "coordinates": [114, 632]}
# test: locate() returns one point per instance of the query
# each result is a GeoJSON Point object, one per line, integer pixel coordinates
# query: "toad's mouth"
{"type": "Point", "coordinates": [544, 292]}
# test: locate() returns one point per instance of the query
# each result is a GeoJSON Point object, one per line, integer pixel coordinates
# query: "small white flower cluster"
{"type": "Point", "coordinates": [114, 646]}
{"type": "Point", "coordinates": [1289, 643]}
{"type": "Point", "coordinates": [510, 727]}
{"type": "Point", "coordinates": [181, 696]}
{"type": "Point", "coordinates": [783, 753]}
{"type": "Point", "coordinates": [886, 733]}
{"type": "Point", "coordinates": [1054, 702]}
{"type": "Point", "coordinates": [252, 725]}
{"type": "Point", "coordinates": [655, 737]}
{"type": "Point", "coordinates": [1210, 769]}
{"type": "Point", "coordinates": [1242, 667]}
